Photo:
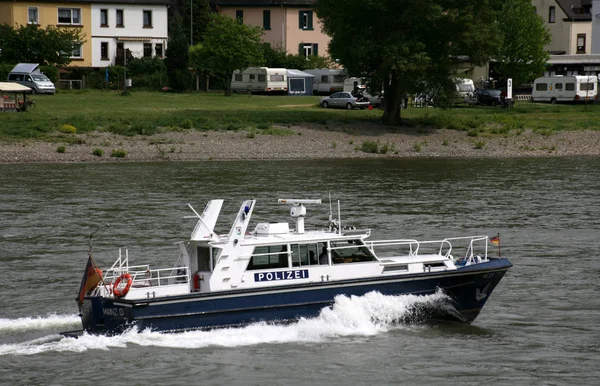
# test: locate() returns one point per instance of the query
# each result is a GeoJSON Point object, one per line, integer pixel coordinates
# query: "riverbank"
{"type": "Point", "coordinates": [312, 141]}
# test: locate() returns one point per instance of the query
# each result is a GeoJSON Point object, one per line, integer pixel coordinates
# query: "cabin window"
{"type": "Point", "coordinates": [104, 18]}
{"type": "Point", "coordinates": [324, 78]}
{"type": "Point", "coordinates": [339, 78]}
{"type": "Point", "coordinates": [305, 20]}
{"type": "Point", "coordinates": [541, 87]}
{"type": "Point", "coordinates": [581, 43]}
{"type": "Point", "coordinates": [238, 77]}
{"type": "Point", "coordinates": [350, 251]}
{"type": "Point", "coordinates": [269, 257]}
{"type": "Point", "coordinates": [586, 86]}
{"type": "Point", "coordinates": [558, 86]}
{"type": "Point", "coordinates": [252, 77]}
{"type": "Point", "coordinates": [552, 15]}
{"type": "Point", "coordinates": [33, 15]}
{"type": "Point", "coordinates": [276, 78]}
{"type": "Point", "coordinates": [570, 86]}
{"type": "Point", "coordinates": [203, 259]}
{"type": "Point", "coordinates": [266, 19]}
{"type": "Point", "coordinates": [306, 254]}
{"type": "Point", "coordinates": [262, 78]}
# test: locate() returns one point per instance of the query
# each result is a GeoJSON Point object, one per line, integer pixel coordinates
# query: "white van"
{"type": "Point", "coordinates": [260, 80]}
{"type": "Point", "coordinates": [356, 85]}
{"type": "Point", "coordinates": [573, 88]}
{"type": "Point", "coordinates": [29, 74]}
{"type": "Point", "coordinates": [327, 80]}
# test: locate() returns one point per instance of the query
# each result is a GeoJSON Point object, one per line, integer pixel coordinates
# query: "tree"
{"type": "Point", "coordinates": [403, 46]}
{"type": "Point", "coordinates": [521, 55]}
{"type": "Point", "coordinates": [32, 44]}
{"type": "Point", "coordinates": [228, 46]}
{"type": "Point", "coordinates": [177, 61]}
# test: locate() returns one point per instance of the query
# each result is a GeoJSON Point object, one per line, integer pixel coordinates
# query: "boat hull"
{"type": "Point", "coordinates": [468, 288]}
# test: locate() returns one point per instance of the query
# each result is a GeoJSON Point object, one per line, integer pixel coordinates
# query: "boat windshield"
{"type": "Point", "coordinates": [350, 251]}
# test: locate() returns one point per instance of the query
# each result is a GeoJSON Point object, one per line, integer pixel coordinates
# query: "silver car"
{"type": "Point", "coordinates": [344, 100]}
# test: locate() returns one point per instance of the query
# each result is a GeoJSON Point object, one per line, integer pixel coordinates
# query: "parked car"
{"type": "Point", "coordinates": [489, 97]}
{"type": "Point", "coordinates": [345, 100]}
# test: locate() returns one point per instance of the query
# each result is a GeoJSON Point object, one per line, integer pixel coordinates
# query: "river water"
{"type": "Point", "coordinates": [541, 326]}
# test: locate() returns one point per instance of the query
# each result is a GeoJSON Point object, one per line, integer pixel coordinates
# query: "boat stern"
{"type": "Point", "coordinates": [104, 316]}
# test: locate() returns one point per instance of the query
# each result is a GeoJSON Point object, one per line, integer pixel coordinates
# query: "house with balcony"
{"type": "Point", "coordinates": [292, 25]}
{"type": "Point", "coordinates": [122, 30]}
{"type": "Point", "coordinates": [50, 13]}
{"type": "Point", "coordinates": [575, 45]}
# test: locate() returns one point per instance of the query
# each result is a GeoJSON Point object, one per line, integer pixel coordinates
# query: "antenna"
{"type": "Point", "coordinates": [92, 235]}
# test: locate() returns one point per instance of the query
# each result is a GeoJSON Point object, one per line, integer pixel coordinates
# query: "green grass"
{"type": "Point", "coordinates": [147, 113]}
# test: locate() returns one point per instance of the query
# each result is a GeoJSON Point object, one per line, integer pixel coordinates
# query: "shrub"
{"type": "Point", "coordinates": [370, 147]}
{"type": "Point", "coordinates": [479, 144]}
{"type": "Point", "coordinates": [118, 153]}
{"type": "Point", "coordinates": [69, 129]}
{"type": "Point", "coordinates": [417, 147]}
{"type": "Point", "coordinates": [98, 152]}
{"type": "Point", "coordinates": [61, 149]}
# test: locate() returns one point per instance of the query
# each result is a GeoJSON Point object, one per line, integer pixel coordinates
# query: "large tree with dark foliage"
{"type": "Point", "coordinates": [32, 44]}
{"type": "Point", "coordinates": [177, 60]}
{"type": "Point", "coordinates": [406, 46]}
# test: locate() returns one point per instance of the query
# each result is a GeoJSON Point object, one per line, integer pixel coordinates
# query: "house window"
{"type": "Point", "coordinates": [266, 19]}
{"type": "Point", "coordinates": [104, 51]}
{"type": "Point", "coordinates": [76, 54]}
{"type": "Point", "coordinates": [120, 18]}
{"type": "Point", "coordinates": [158, 49]}
{"type": "Point", "coordinates": [581, 43]}
{"type": "Point", "coordinates": [69, 16]}
{"type": "Point", "coordinates": [147, 50]}
{"type": "Point", "coordinates": [239, 15]}
{"type": "Point", "coordinates": [147, 19]}
{"type": "Point", "coordinates": [33, 15]}
{"type": "Point", "coordinates": [309, 49]}
{"type": "Point", "coordinates": [104, 18]}
{"type": "Point", "coordinates": [306, 20]}
{"type": "Point", "coordinates": [552, 15]}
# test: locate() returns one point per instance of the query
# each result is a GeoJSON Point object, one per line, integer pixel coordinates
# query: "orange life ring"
{"type": "Point", "coordinates": [120, 293]}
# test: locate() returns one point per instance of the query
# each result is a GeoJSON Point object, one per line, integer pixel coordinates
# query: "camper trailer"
{"type": "Point", "coordinates": [573, 88]}
{"type": "Point", "coordinates": [356, 85]}
{"type": "Point", "coordinates": [29, 74]}
{"type": "Point", "coordinates": [260, 80]}
{"type": "Point", "coordinates": [327, 80]}
{"type": "Point", "coordinates": [465, 89]}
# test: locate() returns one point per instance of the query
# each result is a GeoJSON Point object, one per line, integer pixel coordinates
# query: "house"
{"type": "Point", "coordinates": [60, 14]}
{"type": "Point", "coordinates": [575, 45]}
{"type": "Point", "coordinates": [111, 27]}
{"type": "Point", "coordinates": [292, 25]}
{"type": "Point", "coordinates": [136, 27]}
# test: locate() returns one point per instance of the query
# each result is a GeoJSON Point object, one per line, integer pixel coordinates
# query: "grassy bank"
{"type": "Point", "coordinates": [146, 113]}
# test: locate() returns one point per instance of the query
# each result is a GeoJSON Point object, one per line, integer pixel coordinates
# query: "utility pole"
{"type": "Point", "coordinates": [191, 22]}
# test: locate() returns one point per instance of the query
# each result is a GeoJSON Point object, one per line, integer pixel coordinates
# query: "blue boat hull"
{"type": "Point", "coordinates": [468, 288]}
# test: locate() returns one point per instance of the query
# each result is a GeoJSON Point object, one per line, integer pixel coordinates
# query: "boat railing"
{"type": "Point", "coordinates": [443, 247]}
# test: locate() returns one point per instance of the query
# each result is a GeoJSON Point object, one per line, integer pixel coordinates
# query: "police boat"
{"type": "Point", "coordinates": [276, 274]}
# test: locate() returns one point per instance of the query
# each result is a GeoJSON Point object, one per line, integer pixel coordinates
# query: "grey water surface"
{"type": "Point", "coordinates": [541, 326]}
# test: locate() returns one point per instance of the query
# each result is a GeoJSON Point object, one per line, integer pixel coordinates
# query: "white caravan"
{"type": "Point", "coordinates": [466, 91]}
{"type": "Point", "coordinates": [573, 88]}
{"type": "Point", "coordinates": [327, 80]}
{"type": "Point", "coordinates": [356, 85]}
{"type": "Point", "coordinates": [260, 80]}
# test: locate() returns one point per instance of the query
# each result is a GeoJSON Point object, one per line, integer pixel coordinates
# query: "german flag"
{"type": "Point", "coordinates": [495, 240]}
{"type": "Point", "coordinates": [91, 277]}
